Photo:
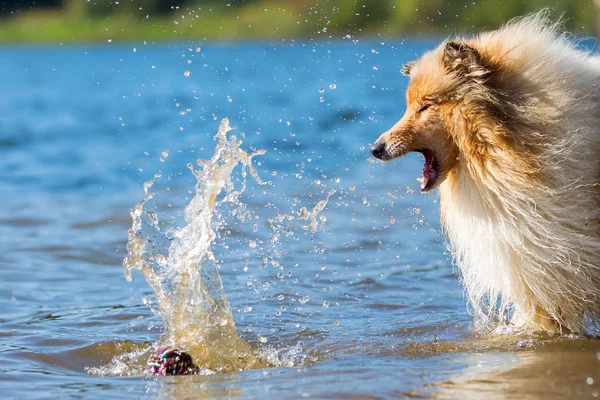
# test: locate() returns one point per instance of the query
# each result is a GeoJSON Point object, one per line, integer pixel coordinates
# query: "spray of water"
{"type": "Point", "coordinates": [180, 267]}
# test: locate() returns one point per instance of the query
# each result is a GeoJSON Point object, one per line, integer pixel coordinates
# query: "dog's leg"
{"type": "Point", "coordinates": [537, 320]}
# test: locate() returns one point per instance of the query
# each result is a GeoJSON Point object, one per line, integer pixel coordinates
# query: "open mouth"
{"type": "Point", "coordinates": [430, 170]}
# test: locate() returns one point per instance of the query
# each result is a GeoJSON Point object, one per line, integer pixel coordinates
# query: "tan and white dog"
{"type": "Point", "coordinates": [509, 124]}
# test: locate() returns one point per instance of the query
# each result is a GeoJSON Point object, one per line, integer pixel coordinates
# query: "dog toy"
{"type": "Point", "coordinates": [170, 361]}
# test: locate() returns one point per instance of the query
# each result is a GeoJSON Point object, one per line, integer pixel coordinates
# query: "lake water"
{"type": "Point", "coordinates": [366, 306]}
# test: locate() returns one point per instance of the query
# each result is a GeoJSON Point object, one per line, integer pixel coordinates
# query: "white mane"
{"type": "Point", "coordinates": [534, 247]}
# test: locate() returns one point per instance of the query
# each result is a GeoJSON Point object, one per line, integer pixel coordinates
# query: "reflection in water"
{"type": "Point", "coordinates": [531, 368]}
{"type": "Point", "coordinates": [197, 387]}
{"type": "Point", "coordinates": [491, 367]}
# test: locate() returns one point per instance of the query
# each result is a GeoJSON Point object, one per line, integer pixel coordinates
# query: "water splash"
{"type": "Point", "coordinates": [303, 214]}
{"type": "Point", "coordinates": [180, 266]}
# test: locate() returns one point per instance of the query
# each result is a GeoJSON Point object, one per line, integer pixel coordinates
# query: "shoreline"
{"type": "Point", "coordinates": [244, 25]}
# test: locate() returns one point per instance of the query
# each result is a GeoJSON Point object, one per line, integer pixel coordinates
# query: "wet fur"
{"type": "Point", "coordinates": [516, 125]}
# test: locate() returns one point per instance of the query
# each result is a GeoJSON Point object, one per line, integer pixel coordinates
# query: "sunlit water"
{"type": "Point", "coordinates": [334, 271]}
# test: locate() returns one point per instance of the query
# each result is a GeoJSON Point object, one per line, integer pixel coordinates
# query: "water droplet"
{"type": "Point", "coordinates": [325, 304]}
{"type": "Point", "coordinates": [170, 234]}
{"type": "Point", "coordinates": [303, 299]}
{"type": "Point", "coordinates": [321, 99]}
{"type": "Point", "coordinates": [332, 86]}
{"type": "Point", "coordinates": [148, 185]}
{"type": "Point", "coordinates": [186, 73]}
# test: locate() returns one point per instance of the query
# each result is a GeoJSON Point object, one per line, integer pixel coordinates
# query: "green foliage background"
{"type": "Point", "coordinates": [56, 21]}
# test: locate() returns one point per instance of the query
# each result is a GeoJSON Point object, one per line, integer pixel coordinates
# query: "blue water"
{"type": "Point", "coordinates": [382, 312]}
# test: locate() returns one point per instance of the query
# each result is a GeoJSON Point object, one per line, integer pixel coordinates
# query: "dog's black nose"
{"type": "Point", "coordinates": [378, 150]}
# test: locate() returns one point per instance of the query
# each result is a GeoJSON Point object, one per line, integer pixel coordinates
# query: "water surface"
{"type": "Point", "coordinates": [367, 306]}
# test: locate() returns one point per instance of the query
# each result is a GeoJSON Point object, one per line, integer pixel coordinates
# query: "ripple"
{"type": "Point", "coordinates": [26, 222]}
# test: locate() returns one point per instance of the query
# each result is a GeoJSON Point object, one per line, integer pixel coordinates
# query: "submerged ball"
{"type": "Point", "coordinates": [170, 361]}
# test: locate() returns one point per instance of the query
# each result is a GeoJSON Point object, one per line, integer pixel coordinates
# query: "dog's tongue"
{"type": "Point", "coordinates": [429, 172]}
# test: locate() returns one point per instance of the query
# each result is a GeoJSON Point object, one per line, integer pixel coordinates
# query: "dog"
{"type": "Point", "coordinates": [508, 122]}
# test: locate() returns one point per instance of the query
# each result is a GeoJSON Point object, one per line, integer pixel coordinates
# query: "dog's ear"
{"type": "Point", "coordinates": [407, 68]}
{"type": "Point", "coordinates": [463, 59]}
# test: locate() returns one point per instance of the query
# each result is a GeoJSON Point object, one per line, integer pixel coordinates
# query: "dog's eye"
{"type": "Point", "coordinates": [424, 107]}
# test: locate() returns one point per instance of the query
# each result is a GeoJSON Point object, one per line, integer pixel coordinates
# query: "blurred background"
{"type": "Point", "coordinates": [102, 20]}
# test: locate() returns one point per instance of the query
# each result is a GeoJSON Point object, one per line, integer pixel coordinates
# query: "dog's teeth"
{"type": "Point", "coordinates": [421, 180]}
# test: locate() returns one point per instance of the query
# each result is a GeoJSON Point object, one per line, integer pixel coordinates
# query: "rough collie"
{"type": "Point", "coordinates": [509, 124]}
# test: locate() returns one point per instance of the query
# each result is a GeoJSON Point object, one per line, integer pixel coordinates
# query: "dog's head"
{"type": "Point", "coordinates": [440, 88]}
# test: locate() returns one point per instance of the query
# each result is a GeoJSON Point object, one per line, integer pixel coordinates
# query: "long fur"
{"type": "Point", "coordinates": [522, 207]}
